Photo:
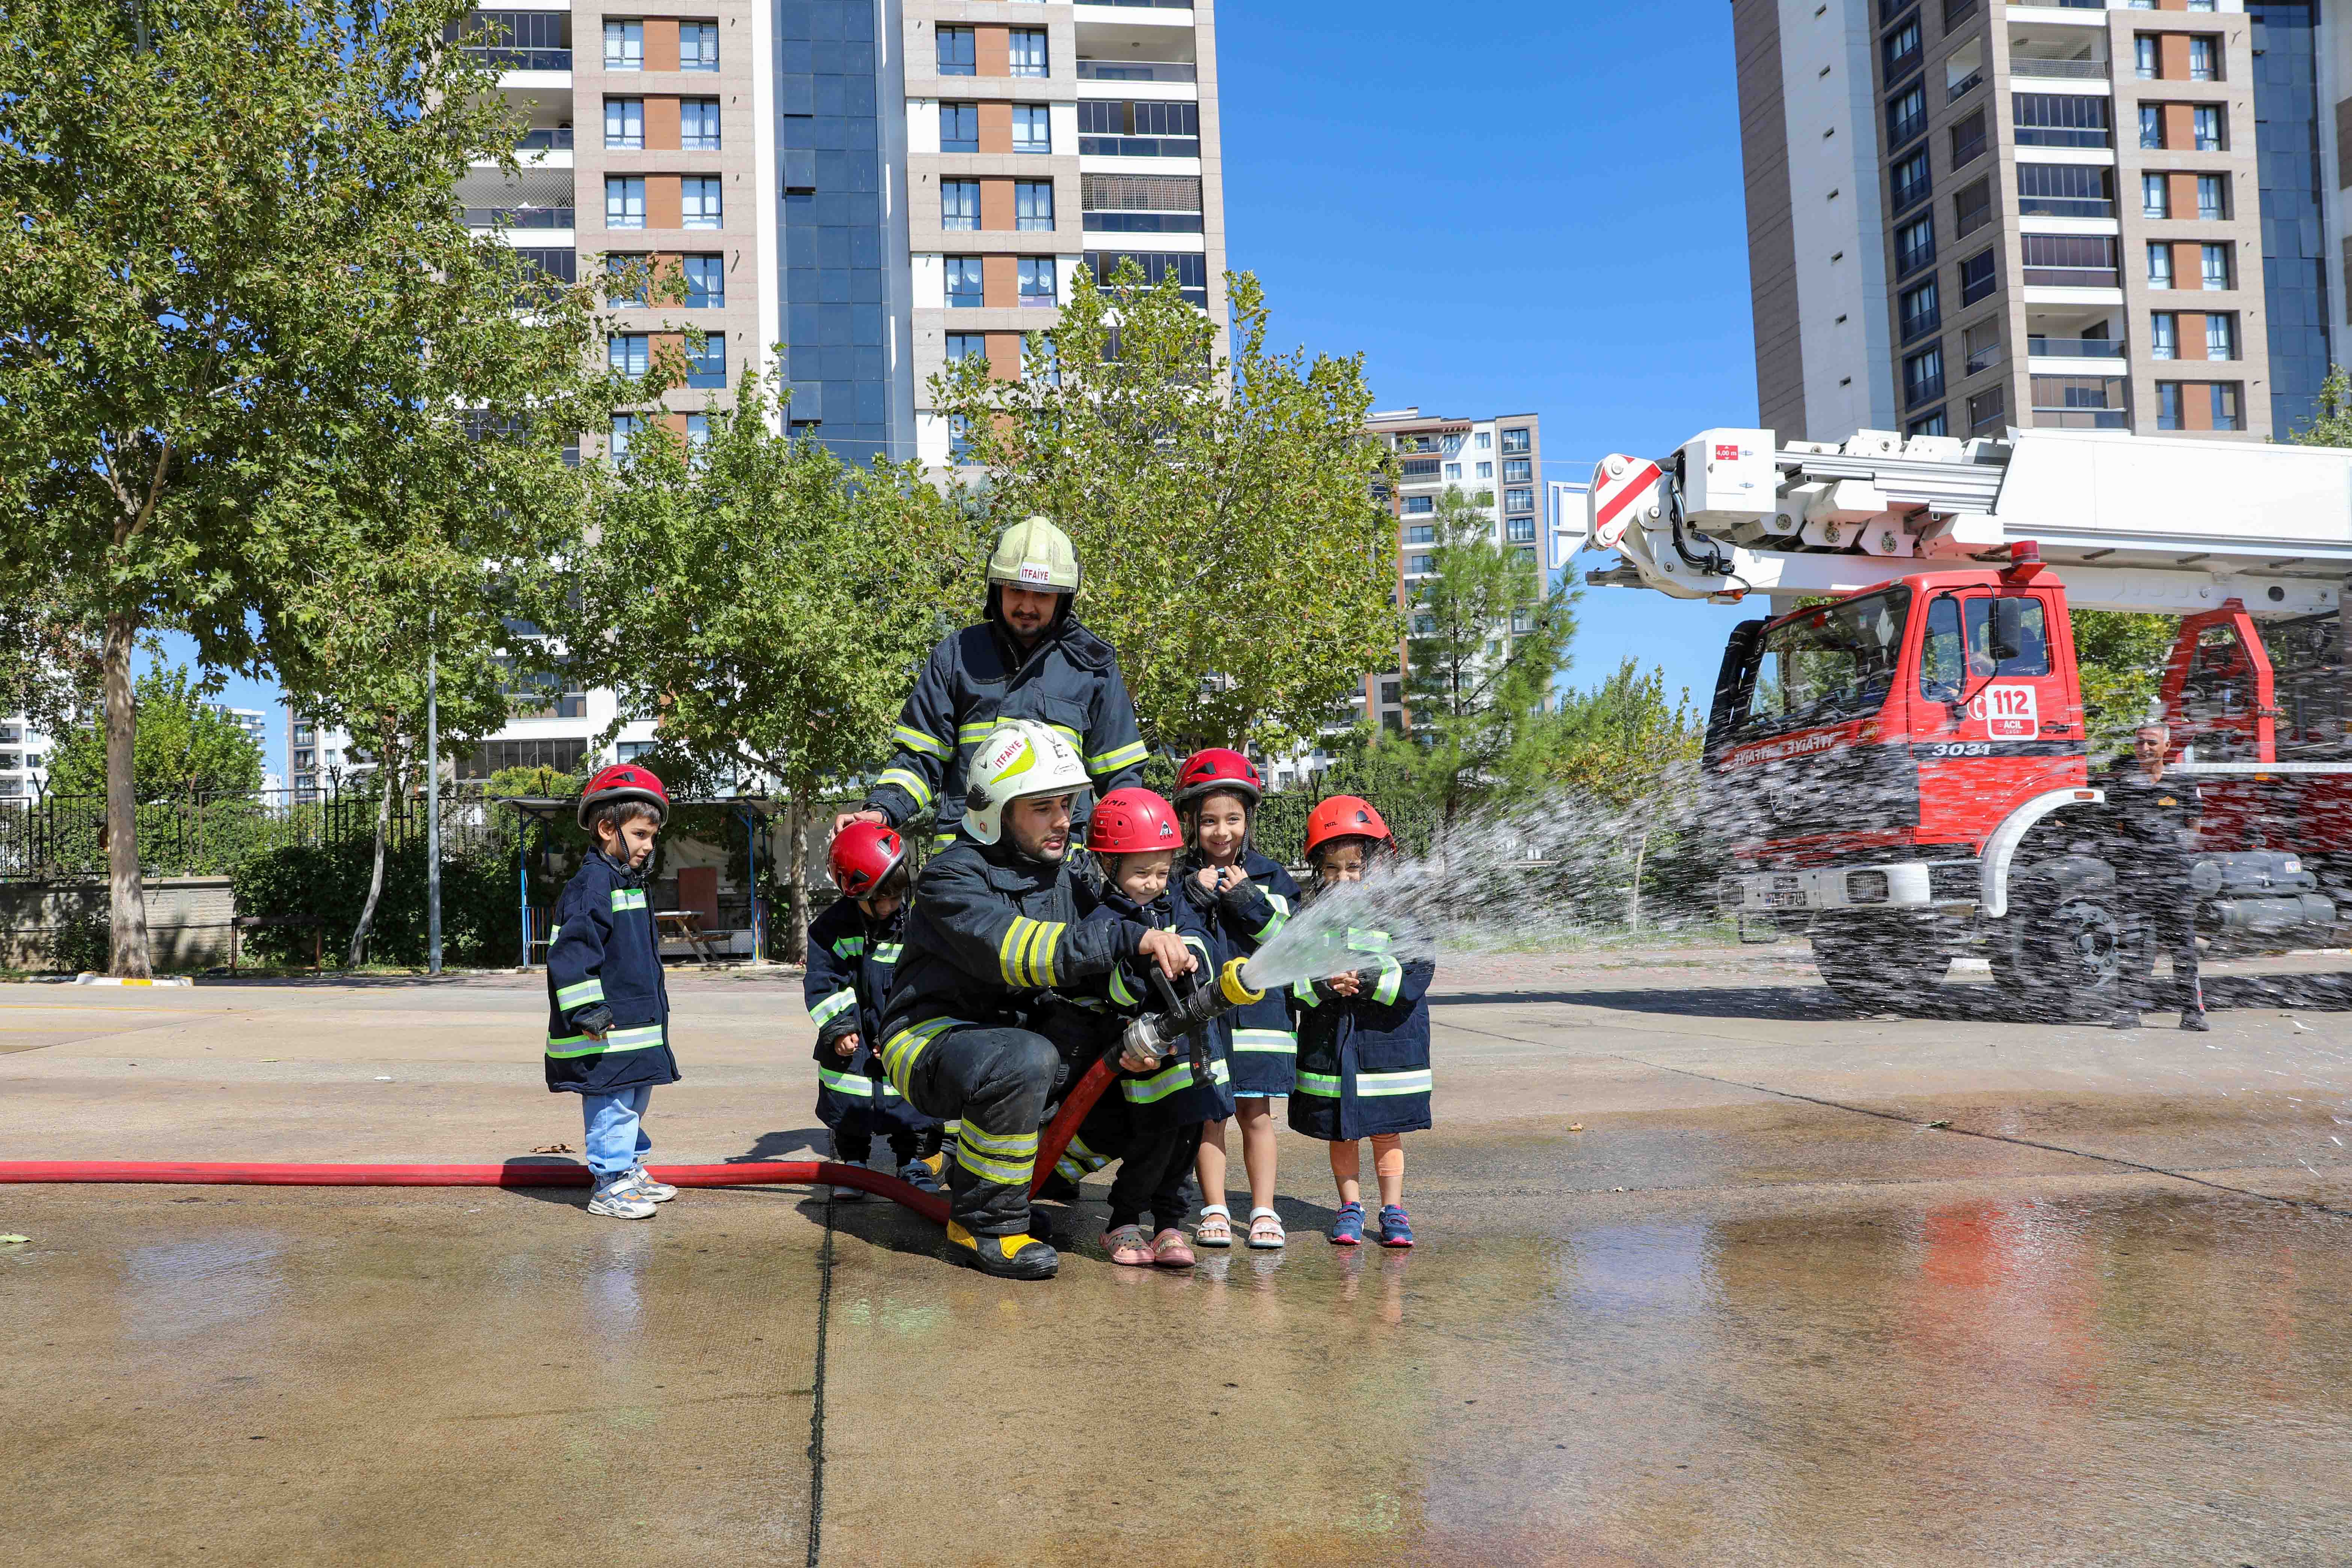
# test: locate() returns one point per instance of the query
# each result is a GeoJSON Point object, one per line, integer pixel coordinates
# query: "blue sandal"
{"type": "Point", "coordinates": [1394, 1230]}
{"type": "Point", "coordinates": [1347, 1227]}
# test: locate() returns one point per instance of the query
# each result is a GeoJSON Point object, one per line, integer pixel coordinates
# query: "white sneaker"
{"type": "Point", "coordinates": [659, 1192]}
{"type": "Point", "coordinates": [848, 1195]}
{"type": "Point", "coordinates": [621, 1200]}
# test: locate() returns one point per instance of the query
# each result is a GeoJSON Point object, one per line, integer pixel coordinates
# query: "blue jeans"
{"type": "Point", "coordinates": [616, 1138]}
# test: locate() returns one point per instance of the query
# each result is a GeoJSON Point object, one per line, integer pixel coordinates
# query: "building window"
{"type": "Point", "coordinates": [2164, 335]}
{"type": "Point", "coordinates": [1485, 440]}
{"type": "Point", "coordinates": [1453, 470]}
{"type": "Point", "coordinates": [629, 353]}
{"type": "Point", "coordinates": [2220, 336]}
{"type": "Point", "coordinates": [2069, 260]}
{"type": "Point", "coordinates": [705, 283]}
{"type": "Point", "coordinates": [625, 277]}
{"type": "Point", "coordinates": [1967, 140]}
{"type": "Point", "coordinates": [959, 128]}
{"type": "Point", "coordinates": [1932, 423]}
{"type": "Point", "coordinates": [2061, 120]}
{"type": "Point", "coordinates": [625, 202]}
{"type": "Point", "coordinates": [2154, 196]}
{"type": "Point", "coordinates": [625, 430]}
{"type": "Point", "coordinates": [697, 45]}
{"type": "Point", "coordinates": [1029, 52]}
{"type": "Point", "coordinates": [1898, 52]}
{"type": "Point", "coordinates": [1419, 566]}
{"type": "Point", "coordinates": [707, 367]}
{"type": "Point", "coordinates": [1517, 469]}
{"type": "Point", "coordinates": [1923, 376]}
{"type": "Point", "coordinates": [957, 56]}
{"type": "Point", "coordinates": [965, 289]}
{"type": "Point", "coordinates": [1910, 180]}
{"type": "Point", "coordinates": [967, 345]}
{"type": "Point", "coordinates": [2079, 402]}
{"type": "Point", "coordinates": [2160, 264]}
{"type": "Point", "coordinates": [1982, 343]}
{"type": "Point", "coordinates": [1421, 533]}
{"type": "Point", "coordinates": [1976, 277]}
{"type": "Point", "coordinates": [2214, 266]}
{"type": "Point", "coordinates": [1906, 114]}
{"type": "Point", "coordinates": [1921, 310]}
{"type": "Point", "coordinates": [1190, 269]}
{"type": "Point", "coordinates": [1487, 470]}
{"type": "Point", "coordinates": [625, 122]}
{"type": "Point", "coordinates": [2207, 120]}
{"type": "Point", "coordinates": [1037, 280]}
{"type": "Point", "coordinates": [1420, 506]}
{"type": "Point", "coordinates": [1519, 500]}
{"type": "Point", "coordinates": [700, 204]}
{"type": "Point", "coordinates": [1972, 208]}
{"type": "Point", "coordinates": [624, 46]}
{"type": "Point", "coordinates": [2065, 189]}
{"type": "Point", "coordinates": [2225, 406]}
{"type": "Point", "coordinates": [1915, 245]}
{"type": "Point", "coordinates": [2168, 406]}
{"type": "Point", "coordinates": [1033, 206]}
{"type": "Point", "coordinates": [2204, 60]}
{"type": "Point", "coordinates": [697, 435]}
{"type": "Point", "coordinates": [1987, 409]}
{"type": "Point", "coordinates": [697, 124]}
{"type": "Point", "coordinates": [1520, 529]}
{"type": "Point", "coordinates": [2144, 57]}
{"type": "Point", "coordinates": [1032, 128]}
{"type": "Point", "coordinates": [1515, 441]}
{"type": "Point", "coordinates": [960, 204]}
{"type": "Point", "coordinates": [2151, 125]}
{"type": "Point", "coordinates": [2212, 198]}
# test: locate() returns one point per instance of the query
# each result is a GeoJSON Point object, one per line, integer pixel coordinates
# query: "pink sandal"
{"type": "Point", "coordinates": [1127, 1246]}
{"type": "Point", "coordinates": [1167, 1250]}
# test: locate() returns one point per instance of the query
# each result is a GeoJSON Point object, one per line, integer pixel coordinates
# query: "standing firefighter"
{"type": "Point", "coordinates": [2151, 830]}
{"type": "Point", "coordinates": [995, 928]}
{"type": "Point", "coordinates": [1029, 659]}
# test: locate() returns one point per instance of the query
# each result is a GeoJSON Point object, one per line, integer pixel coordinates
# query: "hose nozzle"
{"type": "Point", "coordinates": [1153, 1034]}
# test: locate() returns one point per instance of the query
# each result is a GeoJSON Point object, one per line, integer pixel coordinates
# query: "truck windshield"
{"type": "Point", "coordinates": [1829, 663]}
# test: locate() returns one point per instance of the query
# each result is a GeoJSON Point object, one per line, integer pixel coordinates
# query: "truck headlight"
{"type": "Point", "coordinates": [1866, 887]}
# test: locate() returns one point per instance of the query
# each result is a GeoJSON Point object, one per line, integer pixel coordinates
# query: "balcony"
{"type": "Point", "coordinates": [2075, 348]}
{"type": "Point", "coordinates": [1139, 146]}
{"type": "Point", "coordinates": [510, 57]}
{"type": "Point", "coordinates": [2062, 70]}
{"type": "Point", "coordinates": [545, 139]}
{"type": "Point", "coordinates": [522, 217]}
{"type": "Point", "coordinates": [2081, 419]}
{"type": "Point", "coordinates": [1138, 70]}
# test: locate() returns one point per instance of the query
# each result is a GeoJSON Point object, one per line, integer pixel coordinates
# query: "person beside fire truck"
{"type": "Point", "coordinates": [2149, 834]}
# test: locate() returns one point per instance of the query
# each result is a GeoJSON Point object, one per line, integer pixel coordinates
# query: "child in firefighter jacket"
{"type": "Point", "coordinates": [852, 949]}
{"type": "Point", "coordinates": [1363, 1032]}
{"type": "Point", "coordinates": [608, 1007]}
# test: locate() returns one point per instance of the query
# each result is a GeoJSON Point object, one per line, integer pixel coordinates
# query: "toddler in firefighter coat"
{"type": "Point", "coordinates": [608, 1008]}
{"type": "Point", "coordinates": [1149, 1121]}
{"type": "Point", "coordinates": [1245, 898]}
{"type": "Point", "coordinates": [853, 948]}
{"type": "Point", "coordinates": [1363, 1033]}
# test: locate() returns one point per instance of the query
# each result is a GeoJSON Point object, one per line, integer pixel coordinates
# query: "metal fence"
{"type": "Point", "coordinates": [63, 838]}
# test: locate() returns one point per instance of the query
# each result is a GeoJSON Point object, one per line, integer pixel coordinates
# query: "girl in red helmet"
{"type": "Point", "coordinates": [1245, 898]}
{"type": "Point", "coordinates": [1363, 1033]}
{"type": "Point", "coordinates": [853, 951]}
{"type": "Point", "coordinates": [1150, 1121]}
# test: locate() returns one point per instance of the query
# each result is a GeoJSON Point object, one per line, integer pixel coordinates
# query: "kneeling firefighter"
{"type": "Point", "coordinates": [995, 926]}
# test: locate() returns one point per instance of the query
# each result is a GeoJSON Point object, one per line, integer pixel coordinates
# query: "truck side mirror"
{"type": "Point", "coordinates": [2008, 630]}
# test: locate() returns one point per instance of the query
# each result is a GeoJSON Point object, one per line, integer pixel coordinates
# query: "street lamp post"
{"type": "Point", "coordinates": [432, 804]}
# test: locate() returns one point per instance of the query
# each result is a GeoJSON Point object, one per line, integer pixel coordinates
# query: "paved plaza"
{"type": "Point", "coordinates": [1712, 1271]}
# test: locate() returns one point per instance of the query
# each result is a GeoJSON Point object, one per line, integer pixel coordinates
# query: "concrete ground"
{"type": "Point", "coordinates": [1712, 1271]}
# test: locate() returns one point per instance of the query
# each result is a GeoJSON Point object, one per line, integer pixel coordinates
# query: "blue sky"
{"type": "Point", "coordinates": [1527, 206]}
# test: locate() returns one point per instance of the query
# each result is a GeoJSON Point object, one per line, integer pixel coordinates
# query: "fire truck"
{"type": "Point", "coordinates": [1897, 761]}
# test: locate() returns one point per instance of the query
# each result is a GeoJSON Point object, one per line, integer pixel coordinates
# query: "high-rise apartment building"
{"type": "Point", "coordinates": [24, 758]}
{"type": "Point", "coordinates": [1966, 215]}
{"type": "Point", "coordinates": [1495, 463]}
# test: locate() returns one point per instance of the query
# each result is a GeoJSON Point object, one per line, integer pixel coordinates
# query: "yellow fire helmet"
{"type": "Point", "coordinates": [1021, 757]}
{"type": "Point", "coordinates": [1035, 554]}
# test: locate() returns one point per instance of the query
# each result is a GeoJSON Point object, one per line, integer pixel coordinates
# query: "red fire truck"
{"type": "Point", "coordinates": [1897, 762]}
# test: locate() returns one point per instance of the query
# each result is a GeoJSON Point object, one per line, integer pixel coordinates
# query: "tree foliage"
{"type": "Point", "coordinates": [2121, 656]}
{"type": "Point", "coordinates": [243, 324]}
{"type": "Point", "coordinates": [185, 747]}
{"type": "Point", "coordinates": [1223, 506]}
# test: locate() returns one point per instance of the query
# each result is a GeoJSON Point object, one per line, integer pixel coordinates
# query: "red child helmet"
{"type": "Point", "coordinates": [1344, 817]}
{"type": "Point", "coordinates": [622, 780]}
{"type": "Point", "coordinates": [1132, 822]}
{"type": "Point", "coordinates": [1218, 768]}
{"type": "Point", "coordinates": [864, 855]}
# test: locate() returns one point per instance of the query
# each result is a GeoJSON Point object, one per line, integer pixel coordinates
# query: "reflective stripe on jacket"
{"type": "Point", "coordinates": [1363, 1060]}
{"type": "Point", "coordinates": [606, 951]}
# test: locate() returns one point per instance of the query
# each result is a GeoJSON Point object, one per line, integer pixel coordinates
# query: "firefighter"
{"type": "Point", "coordinates": [1030, 659]}
{"type": "Point", "coordinates": [2151, 831]}
{"type": "Point", "coordinates": [995, 926]}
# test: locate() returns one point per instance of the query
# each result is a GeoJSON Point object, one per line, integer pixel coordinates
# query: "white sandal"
{"type": "Point", "coordinates": [1216, 1227]}
{"type": "Point", "coordinates": [1266, 1233]}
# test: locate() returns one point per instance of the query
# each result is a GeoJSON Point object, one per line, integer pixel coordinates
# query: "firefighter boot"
{"type": "Point", "coordinates": [1007, 1256]}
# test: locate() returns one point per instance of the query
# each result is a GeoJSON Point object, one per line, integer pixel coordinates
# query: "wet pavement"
{"type": "Point", "coordinates": [1759, 1309]}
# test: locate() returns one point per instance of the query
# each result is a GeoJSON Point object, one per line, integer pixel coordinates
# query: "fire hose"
{"type": "Point", "coordinates": [1149, 1035]}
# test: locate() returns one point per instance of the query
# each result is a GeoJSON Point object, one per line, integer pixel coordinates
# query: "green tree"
{"type": "Point", "coordinates": [1223, 508]}
{"type": "Point", "coordinates": [2331, 424]}
{"type": "Point", "coordinates": [769, 604]}
{"type": "Point", "coordinates": [245, 322]}
{"type": "Point", "coordinates": [184, 747]}
{"type": "Point", "coordinates": [1631, 749]}
{"type": "Point", "coordinates": [1487, 640]}
{"type": "Point", "coordinates": [2121, 655]}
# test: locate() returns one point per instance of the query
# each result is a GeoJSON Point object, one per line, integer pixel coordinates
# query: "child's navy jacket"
{"type": "Point", "coordinates": [851, 959]}
{"type": "Point", "coordinates": [1363, 1060]}
{"type": "Point", "coordinates": [604, 949]}
{"type": "Point", "coordinates": [1172, 1096]}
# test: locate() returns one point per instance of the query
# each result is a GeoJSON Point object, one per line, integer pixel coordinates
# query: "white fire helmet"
{"type": "Point", "coordinates": [1021, 757]}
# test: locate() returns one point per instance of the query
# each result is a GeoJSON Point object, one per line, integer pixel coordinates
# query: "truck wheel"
{"type": "Point", "coordinates": [1878, 966]}
{"type": "Point", "coordinates": [2067, 954]}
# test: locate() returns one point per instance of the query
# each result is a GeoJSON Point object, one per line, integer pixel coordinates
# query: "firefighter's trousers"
{"type": "Point", "coordinates": [996, 1081]}
{"type": "Point", "coordinates": [2169, 905]}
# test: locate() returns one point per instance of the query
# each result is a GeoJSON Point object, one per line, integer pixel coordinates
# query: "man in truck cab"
{"type": "Point", "coordinates": [2149, 830]}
